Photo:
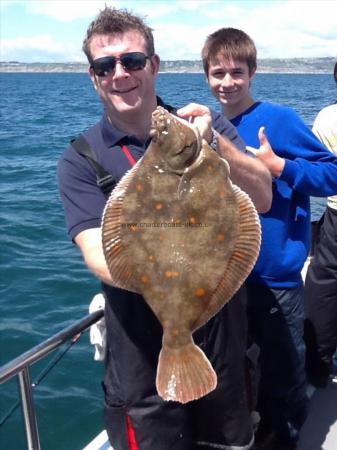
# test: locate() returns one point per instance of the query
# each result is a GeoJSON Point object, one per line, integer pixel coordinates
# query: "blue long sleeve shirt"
{"type": "Point", "coordinates": [310, 170]}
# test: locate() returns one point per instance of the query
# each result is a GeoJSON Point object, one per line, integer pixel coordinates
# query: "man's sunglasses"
{"type": "Point", "coordinates": [130, 61]}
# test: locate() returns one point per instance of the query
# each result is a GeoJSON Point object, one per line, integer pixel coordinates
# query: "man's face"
{"type": "Point", "coordinates": [124, 91]}
{"type": "Point", "coordinates": [229, 81]}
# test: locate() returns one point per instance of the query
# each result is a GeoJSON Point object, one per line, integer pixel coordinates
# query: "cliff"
{"type": "Point", "coordinates": [293, 65]}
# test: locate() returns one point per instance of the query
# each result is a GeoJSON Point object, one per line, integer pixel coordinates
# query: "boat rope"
{"type": "Point", "coordinates": [52, 363]}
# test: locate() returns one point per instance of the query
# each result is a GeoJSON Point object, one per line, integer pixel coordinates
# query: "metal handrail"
{"type": "Point", "coordinates": [20, 367]}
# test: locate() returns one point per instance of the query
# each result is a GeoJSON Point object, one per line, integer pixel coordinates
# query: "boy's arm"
{"type": "Point", "coordinates": [297, 157]}
{"type": "Point", "coordinates": [265, 153]}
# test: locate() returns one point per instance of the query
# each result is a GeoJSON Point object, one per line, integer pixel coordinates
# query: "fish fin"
{"type": "Point", "coordinates": [243, 258]}
{"type": "Point", "coordinates": [115, 254]}
{"type": "Point", "coordinates": [184, 374]}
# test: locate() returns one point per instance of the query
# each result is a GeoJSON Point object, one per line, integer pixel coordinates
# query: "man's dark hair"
{"type": "Point", "coordinates": [229, 43]}
{"type": "Point", "coordinates": [117, 21]}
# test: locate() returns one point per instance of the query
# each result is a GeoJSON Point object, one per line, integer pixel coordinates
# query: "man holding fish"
{"type": "Point", "coordinates": [123, 69]}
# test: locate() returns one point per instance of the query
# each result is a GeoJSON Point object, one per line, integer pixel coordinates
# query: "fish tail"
{"type": "Point", "coordinates": [184, 374]}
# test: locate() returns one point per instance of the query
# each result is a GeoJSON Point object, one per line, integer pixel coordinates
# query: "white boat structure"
{"type": "Point", "coordinates": [318, 433]}
{"type": "Point", "coordinates": [100, 442]}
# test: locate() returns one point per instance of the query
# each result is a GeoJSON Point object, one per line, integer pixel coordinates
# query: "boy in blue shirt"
{"type": "Point", "coordinates": [301, 167]}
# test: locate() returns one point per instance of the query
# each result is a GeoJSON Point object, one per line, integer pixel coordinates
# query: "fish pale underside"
{"type": "Point", "coordinates": [177, 231]}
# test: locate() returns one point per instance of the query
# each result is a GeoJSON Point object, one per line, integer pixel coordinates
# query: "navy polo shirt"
{"type": "Point", "coordinates": [82, 199]}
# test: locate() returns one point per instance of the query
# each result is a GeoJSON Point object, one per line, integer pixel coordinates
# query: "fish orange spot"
{"type": "Point", "coordinates": [151, 258]}
{"type": "Point", "coordinates": [116, 248]}
{"type": "Point", "coordinates": [133, 227]}
{"type": "Point", "coordinates": [159, 206]}
{"type": "Point", "coordinates": [222, 193]}
{"type": "Point", "coordinates": [221, 237]}
{"type": "Point", "coordinates": [238, 255]}
{"type": "Point", "coordinates": [144, 279]}
{"type": "Point", "coordinates": [192, 220]}
{"type": "Point", "coordinates": [126, 274]}
{"type": "Point", "coordinates": [175, 332]}
{"type": "Point", "coordinates": [139, 187]}
{"type": "Point", "coordinates": [171, 274]}
{"type": "Point", "coordinates": [210, 168]}
{"type": "Point", "coordinates": [200, 292]}
{"type": "Point", "coordinates": [177, 221]}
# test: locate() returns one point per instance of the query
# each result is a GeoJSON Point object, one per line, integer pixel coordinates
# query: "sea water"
{"type": "Point", "coordinates": [44, 283]}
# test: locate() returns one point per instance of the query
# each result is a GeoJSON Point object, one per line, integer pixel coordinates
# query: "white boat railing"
{"type": "Point", "coordinates": [20, 367]}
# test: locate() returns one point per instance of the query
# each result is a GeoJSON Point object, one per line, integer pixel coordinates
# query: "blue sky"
{"type": "Point", "coordinates": [53, 30]}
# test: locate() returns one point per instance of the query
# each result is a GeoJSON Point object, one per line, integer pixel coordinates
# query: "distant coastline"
{"type": "Point", "coordinates": [270, 65]}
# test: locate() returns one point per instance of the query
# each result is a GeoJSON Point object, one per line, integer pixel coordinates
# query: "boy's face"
{"type": "Point", "coordinates": [229, 81]}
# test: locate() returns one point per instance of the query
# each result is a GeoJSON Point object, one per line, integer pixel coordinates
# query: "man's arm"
{"type": "Point", "coordinates": [90, 243]}
{"type": "Point", "coordinates": [250, 174]}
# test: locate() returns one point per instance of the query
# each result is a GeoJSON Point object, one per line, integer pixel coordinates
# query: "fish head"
{"type": "Point", "coordinates": [177, 141]}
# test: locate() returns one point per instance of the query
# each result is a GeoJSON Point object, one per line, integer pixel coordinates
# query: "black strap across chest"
{"type": "Point", "coordinates": [105, 181]}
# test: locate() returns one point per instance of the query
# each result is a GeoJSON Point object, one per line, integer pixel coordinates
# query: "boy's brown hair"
{"type": "Point", "coordinates": [117, 21]}
{"type": "Point", "coordinates": [229, 43]}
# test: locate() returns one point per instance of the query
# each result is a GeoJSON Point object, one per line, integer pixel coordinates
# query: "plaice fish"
{"type": "Point", "coordinates": [177, 231]}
